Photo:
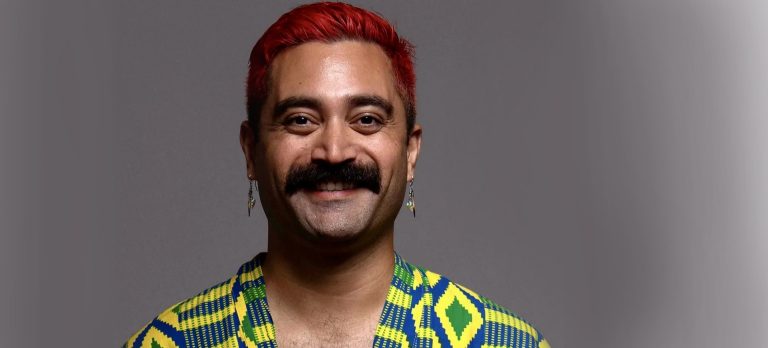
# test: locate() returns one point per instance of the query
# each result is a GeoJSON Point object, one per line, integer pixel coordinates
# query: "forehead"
{"type": "Point", "coordinates": [332, 70]}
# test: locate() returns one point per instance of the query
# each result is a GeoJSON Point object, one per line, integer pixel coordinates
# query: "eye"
{"type": "Point", "coordinates": [368, 120]}
{"type": "Point", "coordinates": [300, 123]}
{"type": "Point", "coordinates": [299, 120]}
{"type": "Point", "coordinates": [367, 124]}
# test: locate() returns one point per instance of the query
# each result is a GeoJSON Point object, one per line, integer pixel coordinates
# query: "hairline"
{"type": "Point", "coordinates": [410, 115]}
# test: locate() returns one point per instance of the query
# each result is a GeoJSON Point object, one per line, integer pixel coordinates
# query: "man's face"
{"type": "Point", "coordinates": [333, 155]}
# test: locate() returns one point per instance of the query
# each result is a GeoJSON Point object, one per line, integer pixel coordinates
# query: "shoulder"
{"type": "Point", "coordinates": [467, 318]}
{"type": "Point", "coordinates": [188, 322]}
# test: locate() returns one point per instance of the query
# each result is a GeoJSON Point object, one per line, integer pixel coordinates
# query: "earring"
{"type": "Point", "coordinates": [251, 201]}
{"type": "Point", "coordinates": [410, 204]}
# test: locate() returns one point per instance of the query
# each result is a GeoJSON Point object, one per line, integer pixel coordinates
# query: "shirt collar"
{"type": "Point", "coordinates": [256, 325]}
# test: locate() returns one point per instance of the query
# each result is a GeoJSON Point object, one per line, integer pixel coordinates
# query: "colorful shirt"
{"type": "Point", "coordinates": [422, 309]}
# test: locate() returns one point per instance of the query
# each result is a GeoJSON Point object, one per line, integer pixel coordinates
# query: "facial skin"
{"type": "Point", "coordinates": [332, 104]}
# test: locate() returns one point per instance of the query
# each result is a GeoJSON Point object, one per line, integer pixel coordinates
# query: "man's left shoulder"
{"type": "Point", "coordinates": [461, 310]}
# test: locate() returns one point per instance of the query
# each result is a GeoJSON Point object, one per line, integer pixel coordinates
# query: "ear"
{"type": "Point", "coordinates": [414, 145]}
{"type": "Point", "coordinates": [248, 144]}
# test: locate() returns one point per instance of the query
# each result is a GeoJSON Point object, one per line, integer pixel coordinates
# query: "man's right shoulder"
{"type": "Point", "coordinates": [206, 319]}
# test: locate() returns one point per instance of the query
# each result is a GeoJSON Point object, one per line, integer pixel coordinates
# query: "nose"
{"type": "Point", "coordinates": [334, 144]}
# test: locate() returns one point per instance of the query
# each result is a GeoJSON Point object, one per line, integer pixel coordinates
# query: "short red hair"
{"type": "Point", "coordinates": [329, 22]}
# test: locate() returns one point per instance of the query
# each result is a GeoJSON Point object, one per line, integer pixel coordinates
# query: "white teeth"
{"type": "Point", "coordinates": [333, 186]}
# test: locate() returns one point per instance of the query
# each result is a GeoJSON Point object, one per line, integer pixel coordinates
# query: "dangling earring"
{"type": "Point", "coordinates": [410, 204]}
{"type": "Point", "coordinates": [251, 201]}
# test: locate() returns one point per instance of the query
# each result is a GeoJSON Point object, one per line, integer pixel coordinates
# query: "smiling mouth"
{"type": "Point", "coordinates": [332, 191]}
{"type": "Point", "coordinates": [333, 186]}
{"type": "Point", "coordinates": [335, 179]}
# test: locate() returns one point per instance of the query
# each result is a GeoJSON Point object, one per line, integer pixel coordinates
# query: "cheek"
{"type": "Point", "coordinates": [391, 159]}
{"type": "Point", "coordinates": [280, 158]}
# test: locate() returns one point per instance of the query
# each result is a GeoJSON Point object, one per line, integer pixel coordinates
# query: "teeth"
{"type": "Point", "coordinates": [333, 186]}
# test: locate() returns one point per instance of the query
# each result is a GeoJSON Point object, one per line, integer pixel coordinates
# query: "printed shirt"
{"type": "Point", "coordinates": [422, 309]}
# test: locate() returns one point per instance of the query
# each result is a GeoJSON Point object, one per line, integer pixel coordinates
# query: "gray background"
{"type": "Point", "coordinates": [599, 167]}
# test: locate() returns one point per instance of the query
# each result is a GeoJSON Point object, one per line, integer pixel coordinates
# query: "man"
{"type": "Point", "coordinates": [331, 142]}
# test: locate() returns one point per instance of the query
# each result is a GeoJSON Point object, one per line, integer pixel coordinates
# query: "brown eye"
{"type": "Point", "coordinates": [368, 120]}
{"type": "Point", "coordinates": [299, 120]}
{"type": "Point", "coordinates": [300, 124]}
{"type": "Point", "coordinates": [367, 124]}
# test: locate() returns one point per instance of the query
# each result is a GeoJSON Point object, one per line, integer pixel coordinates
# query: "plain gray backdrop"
{"type": "Point", "coordinates": [599, 167]}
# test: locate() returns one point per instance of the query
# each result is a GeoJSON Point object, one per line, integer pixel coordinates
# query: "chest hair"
{"type": "Point", "coordinates": [329, 332]}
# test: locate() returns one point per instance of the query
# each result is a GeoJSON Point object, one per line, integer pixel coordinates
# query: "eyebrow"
{"type": "Point", "coordinates": [295, 102]}
{"type": "Point", "coordinates": [313, 103]}
{"type": "Point", "coordinates": [371, 100]}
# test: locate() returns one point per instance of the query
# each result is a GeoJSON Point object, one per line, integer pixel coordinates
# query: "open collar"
{"type": "Point", "coordinates": [395, 325]}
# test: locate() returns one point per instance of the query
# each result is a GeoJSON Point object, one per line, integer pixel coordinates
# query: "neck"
{"type": "Point", "coordinates": [304, 281]}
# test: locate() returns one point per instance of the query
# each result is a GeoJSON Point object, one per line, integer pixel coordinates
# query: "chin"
{"type": "Point", "coordinates": [339, 230]}
{"type": "Point", "coordinates": [342, 220]}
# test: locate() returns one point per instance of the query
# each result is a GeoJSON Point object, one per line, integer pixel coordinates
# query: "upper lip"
{"type": "Point", "coordinates": [333, 186]}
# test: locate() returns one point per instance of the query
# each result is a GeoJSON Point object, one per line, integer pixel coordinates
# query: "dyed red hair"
{"type": "Point", "coordinates": [329, 22]}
